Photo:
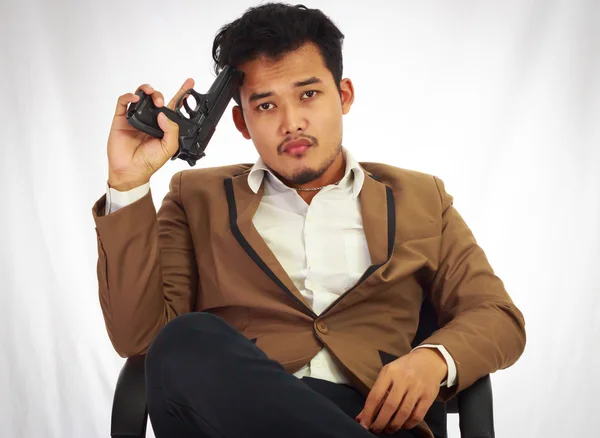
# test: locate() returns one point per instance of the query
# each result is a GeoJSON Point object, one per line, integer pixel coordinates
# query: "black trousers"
{"type": "Point", "coordinates": [204, 379]}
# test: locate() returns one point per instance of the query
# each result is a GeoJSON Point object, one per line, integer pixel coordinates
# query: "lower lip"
{"type": "Point", "coordinates": [297, 150]}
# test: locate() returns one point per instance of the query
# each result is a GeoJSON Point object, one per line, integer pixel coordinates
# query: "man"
{"type": "Point", "coordinates": [281, 298]}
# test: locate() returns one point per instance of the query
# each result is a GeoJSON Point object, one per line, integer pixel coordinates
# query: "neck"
{"type": "Point", "coordinates": [333, 174]}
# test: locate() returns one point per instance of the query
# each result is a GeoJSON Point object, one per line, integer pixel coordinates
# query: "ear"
{"type": "Point", "coordinates": [238, 120]}
{"type": "Point", "coordinates": [346, 94]}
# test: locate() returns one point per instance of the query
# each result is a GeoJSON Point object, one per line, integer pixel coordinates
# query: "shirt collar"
{"type": "Point", "coordinates": [354, 175]}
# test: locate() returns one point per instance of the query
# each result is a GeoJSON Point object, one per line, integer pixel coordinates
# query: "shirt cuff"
{"type": "Point", "coordinates": [116, 200]}
{"type": "Point", "coordinates": [451, 380]}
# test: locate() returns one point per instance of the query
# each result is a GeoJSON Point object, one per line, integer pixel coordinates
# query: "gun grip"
{"type": "Point", "coordinates": [143, 115]}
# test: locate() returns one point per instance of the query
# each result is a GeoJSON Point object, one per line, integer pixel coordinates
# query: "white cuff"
{"type": "Point", "coordinates": [451, 380]}
{"type": "Point", "coordinates": [116, 199]}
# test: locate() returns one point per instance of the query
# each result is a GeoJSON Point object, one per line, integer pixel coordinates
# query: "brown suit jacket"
{"type": "Point", "coordinates": [201, 252]}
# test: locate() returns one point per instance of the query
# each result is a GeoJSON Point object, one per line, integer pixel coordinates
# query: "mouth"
{"type": "Point", "coordinates": [296, 147]}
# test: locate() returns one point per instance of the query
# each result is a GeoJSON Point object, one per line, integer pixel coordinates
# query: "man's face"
{"type": "Point", "coordinates": [292, 111]}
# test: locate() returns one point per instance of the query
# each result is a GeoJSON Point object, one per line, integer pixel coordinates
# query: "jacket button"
{"type": "Point", "coordinates": [322, 327]}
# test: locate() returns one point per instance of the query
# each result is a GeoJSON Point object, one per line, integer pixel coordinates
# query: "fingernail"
{"type": "Point", "coordinates": [364, 424]}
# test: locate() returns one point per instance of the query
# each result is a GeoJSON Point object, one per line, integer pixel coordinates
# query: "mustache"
{"type": "Point", "coordinates": [312, 139]}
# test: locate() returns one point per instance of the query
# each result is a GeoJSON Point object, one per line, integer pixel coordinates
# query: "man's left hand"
{"type": "Point", "coordinates": [405, 390]}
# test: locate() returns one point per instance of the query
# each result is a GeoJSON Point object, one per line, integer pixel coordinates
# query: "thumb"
{"type": "Point", "coordinates": [170, 138]}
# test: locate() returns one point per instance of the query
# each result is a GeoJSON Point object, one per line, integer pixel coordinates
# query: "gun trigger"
{"type": "Point", "coordinates": [205, 107]}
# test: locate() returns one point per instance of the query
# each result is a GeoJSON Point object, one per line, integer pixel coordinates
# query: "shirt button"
{"type": "Point", "coordinates": [317, 363]}
{"type": "Point", "coordinates": [322, 327]}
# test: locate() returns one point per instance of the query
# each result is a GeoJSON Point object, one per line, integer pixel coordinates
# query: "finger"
{"type": "Point", "coordinates": [187, 85]}
{"type": "Point", "coordinates": [389, 407]}
{"type": "Point", "coordinates": [158, 99]}
{"type": "Point", "coordinates": [146, 88]}
{"type": "Point", "coordinates": [170, 140]}
{"type": "Point", "coordinates": [405, 411]}
{"type": "Point", "coordinates": [157, 96]}
{"type": "Point", "coordinates": [123, 101]}
{"type": "Point", "coordinates": [374, 399]}
{"type": "Point", "coordinates": [418, 413]}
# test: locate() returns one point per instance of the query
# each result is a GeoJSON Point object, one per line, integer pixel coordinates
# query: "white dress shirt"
{"type": "Point", "coordinates": [321, 246]}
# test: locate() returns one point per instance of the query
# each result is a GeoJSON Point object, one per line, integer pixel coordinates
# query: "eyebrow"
{"type": "Point", "coordinates": [313, 80]}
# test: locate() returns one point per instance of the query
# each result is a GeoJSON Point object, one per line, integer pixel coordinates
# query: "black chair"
{"type": "Point", "coordinates": [474, 405]}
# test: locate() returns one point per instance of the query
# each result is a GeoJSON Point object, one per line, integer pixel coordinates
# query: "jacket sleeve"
{"type": "Point", "coordinates": [146, 268]}
{"type": "Point", "coordinates": [482, 328]}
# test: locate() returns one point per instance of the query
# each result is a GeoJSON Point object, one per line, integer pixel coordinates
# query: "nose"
{"type": "Point", "coordinates": [293, 120]}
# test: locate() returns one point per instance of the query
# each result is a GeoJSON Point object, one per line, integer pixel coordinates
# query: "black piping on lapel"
{"type": "Point", "coordinates": [386, 357]}
{"type": "Point", "coordinates": [252, 253]}
{"type": "Point", "coordinates": [391, 213]}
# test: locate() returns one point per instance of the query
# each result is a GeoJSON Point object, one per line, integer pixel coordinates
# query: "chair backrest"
{"type": "Point", "coordinates": [428, 323]}
{"type": "Point", "coordinates": [129, 413]}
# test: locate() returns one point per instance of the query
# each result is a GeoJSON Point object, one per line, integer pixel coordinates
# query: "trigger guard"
{"type": "Point", "coordinates": [197, 96]}
{"type": "Point", "coordinates": [191, 112]}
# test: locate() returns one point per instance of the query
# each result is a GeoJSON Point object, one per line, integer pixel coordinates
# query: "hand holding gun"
{"type": "Point", "coordinates": [142, 140]}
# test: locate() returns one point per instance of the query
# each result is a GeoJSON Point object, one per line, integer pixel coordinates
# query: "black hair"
{"type": "Point", "coordinates": [273, 30]}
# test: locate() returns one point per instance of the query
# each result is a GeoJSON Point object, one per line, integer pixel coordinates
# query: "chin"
{"type": "Point", "coordinates": [304, 168]}
{"type": "Point", "coordinates": [304, 175]}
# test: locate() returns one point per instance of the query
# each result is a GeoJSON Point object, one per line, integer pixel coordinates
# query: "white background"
{"type": "Point", "coordinates": [499, 99]}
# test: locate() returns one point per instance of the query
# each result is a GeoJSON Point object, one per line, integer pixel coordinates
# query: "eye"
{"type": "Point", "coordinates": [311, 93]}
{"type": "Point", "coordinates": [264, 106]}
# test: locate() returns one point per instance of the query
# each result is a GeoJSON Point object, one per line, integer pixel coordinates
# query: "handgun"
{"type": "Point", "coordinates": [198, 126]}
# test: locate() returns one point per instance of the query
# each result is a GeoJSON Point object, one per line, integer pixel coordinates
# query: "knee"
{"type": "Point", "coordinates": [184, 347]}
{"type": "Point", "coordinates": [192, 324]}
{"type": "Point", "coordinates": [187, 334]}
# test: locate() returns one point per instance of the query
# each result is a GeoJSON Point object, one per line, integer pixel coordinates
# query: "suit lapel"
{"type": "Point", "coordinates": [377, 217]}
{"type": "Point", "coordinates": [243, 203]}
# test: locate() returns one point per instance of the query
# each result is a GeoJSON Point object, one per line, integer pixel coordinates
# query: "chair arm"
{"type": "Point", "coordinates": [129, 413]}
{"type": "Point", "coordinates": [476, 410]}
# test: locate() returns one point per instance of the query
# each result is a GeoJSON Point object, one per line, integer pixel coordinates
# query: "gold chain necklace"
{"type": "Point", "coordinates": [315, 188]}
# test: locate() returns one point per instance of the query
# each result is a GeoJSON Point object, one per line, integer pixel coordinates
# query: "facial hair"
{"type": "Point", "coordinates": [306, 175]}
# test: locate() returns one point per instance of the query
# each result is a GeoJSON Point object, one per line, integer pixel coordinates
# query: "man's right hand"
{"type": "Point", "coordinates": [133, 156]}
